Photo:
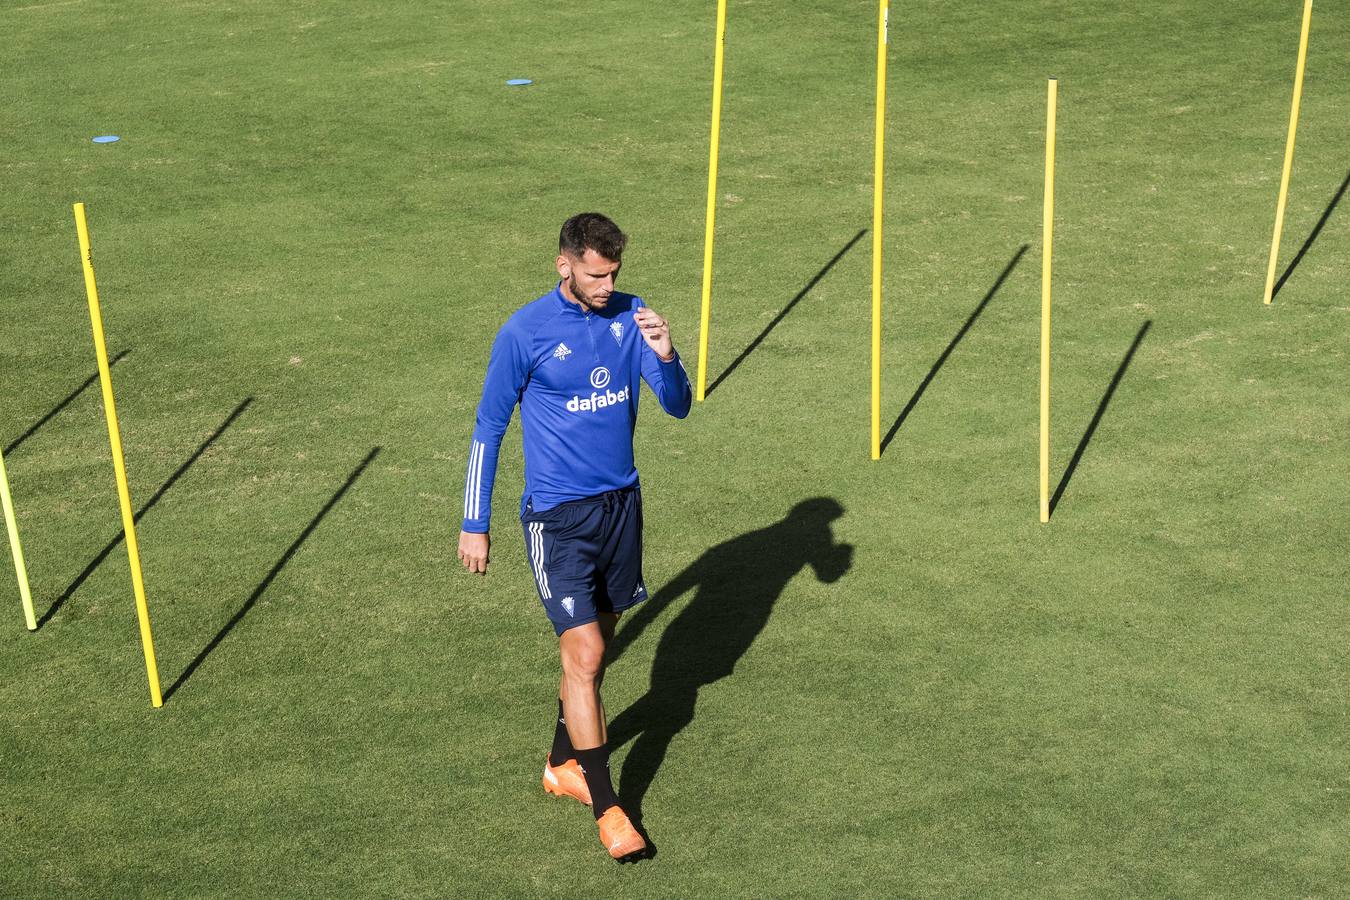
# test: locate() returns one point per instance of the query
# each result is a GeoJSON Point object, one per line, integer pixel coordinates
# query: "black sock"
{"type": "Point", "coordinates": [562, 744]}
{"type": "Point", "coordinates": [595, 764]}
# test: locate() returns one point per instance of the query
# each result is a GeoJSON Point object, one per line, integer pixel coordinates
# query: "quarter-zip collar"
{"type": "Point", "coordinates": [568, 304]}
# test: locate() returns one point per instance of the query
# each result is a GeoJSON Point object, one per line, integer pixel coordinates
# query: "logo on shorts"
{"type": "Point", "coordinates": [561, 353]}
{"type": "Point", "coordinates": [637, 591]}
{"type": "Point", "coordinates": [616, 329]}
{"type": "Point", "coordinates": [599, 378]}
{"type": "Point", "coordinates": [570, 604]}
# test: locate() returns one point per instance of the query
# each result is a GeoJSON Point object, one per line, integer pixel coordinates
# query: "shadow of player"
{"type": "Point", "coordinates": [736, 585]}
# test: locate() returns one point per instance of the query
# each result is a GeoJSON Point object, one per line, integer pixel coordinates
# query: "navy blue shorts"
{"type": "Point", "coordinates": [586, 556]}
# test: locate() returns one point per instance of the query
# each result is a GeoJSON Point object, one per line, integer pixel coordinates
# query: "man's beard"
{"type": "Point", "coordinates": [587, 301]}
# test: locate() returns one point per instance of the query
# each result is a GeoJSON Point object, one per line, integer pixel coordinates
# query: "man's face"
{"type": "Point", "coordinates": [588, 279]}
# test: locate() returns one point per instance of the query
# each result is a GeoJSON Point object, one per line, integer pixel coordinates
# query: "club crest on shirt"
{"type": "Point", "coordinates": [616, 329]}
{"type": "Point", "coordinates": [561, 353]}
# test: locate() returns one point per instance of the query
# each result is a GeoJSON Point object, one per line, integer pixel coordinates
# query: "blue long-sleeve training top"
{"type": "Point", "coordinates": [575, 375]}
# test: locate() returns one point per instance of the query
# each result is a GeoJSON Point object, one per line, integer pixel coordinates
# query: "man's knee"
{"type": "Point", "coordinates": [583, 653]}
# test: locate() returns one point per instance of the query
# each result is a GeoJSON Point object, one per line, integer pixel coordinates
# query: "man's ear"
{"type": "Point", "coordinates": [564, 266]}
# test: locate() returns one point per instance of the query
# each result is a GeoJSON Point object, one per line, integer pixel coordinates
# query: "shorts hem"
{"type": "Point", "coordinates": [575, 623]}
{"type": "Point", "coordinates": [631, 603]}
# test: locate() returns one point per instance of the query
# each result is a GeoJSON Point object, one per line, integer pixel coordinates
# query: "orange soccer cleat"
{"type": "Point", "coordinates": [566, 780]}
{"type": "Point", "coordinates": [618, 835]}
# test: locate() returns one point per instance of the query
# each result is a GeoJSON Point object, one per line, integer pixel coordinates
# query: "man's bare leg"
{"type": "Point", "coordinates": [583, 664]}
{"type": "Point", "coordinates": [563, 774]}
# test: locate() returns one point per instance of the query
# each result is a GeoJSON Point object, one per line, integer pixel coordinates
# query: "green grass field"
{"type": "Point", "coordinates": [316, 219]}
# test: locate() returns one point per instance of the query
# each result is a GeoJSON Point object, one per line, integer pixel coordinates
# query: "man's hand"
{"type": "Point", "coordinates": [656, 332]}
{"type": "Point", "coordinates": [473, 551]}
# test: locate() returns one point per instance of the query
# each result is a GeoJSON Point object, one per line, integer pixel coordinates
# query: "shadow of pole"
{"type": "Point", "coordinates": [1317, 229]}
{"type": "Point", "coordinates": [270, 576]}
{"type": "Point", "coordinates": [961, 333]}
{"type": "Point", "coordinates": [60, 406]}
{"type": "Point", "coordinates": [736, 585]}
{"type": "Point", "coordinates": [149, 504]}
{"type": "Point", "coordinates": [783, 314]}
{"type": "Point", "coordinates": [1097, 417]}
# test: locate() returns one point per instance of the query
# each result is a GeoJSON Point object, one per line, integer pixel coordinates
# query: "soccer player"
{"type": "Point", "coordinates": [572, 360]}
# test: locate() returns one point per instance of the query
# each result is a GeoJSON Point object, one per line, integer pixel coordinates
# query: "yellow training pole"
{"type": "Point", "coordinates": [20, 569]}
{"type": "Point", "coordinates": [712, 200]}
{"type": "Point", "coordinates": [883, 38]}
{"type": "Point", "coordinates": [1288, 151]}
{"type": "Point", "coordinates": [119, 465]}
{"type": "Point", "coordinates": [1047, 242]}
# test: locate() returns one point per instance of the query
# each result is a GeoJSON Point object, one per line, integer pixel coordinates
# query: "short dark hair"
{"type": "Point", "coordinates": [592, 231]}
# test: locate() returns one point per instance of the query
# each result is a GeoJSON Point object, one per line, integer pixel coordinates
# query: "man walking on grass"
{"type": "Point", "coordinates": [572, 359]}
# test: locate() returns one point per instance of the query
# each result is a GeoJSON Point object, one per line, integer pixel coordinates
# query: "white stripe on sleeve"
{"type": "Point", "coordinates": [468, 478]}
{"type": "Point", "coordinates": [473, 489]}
